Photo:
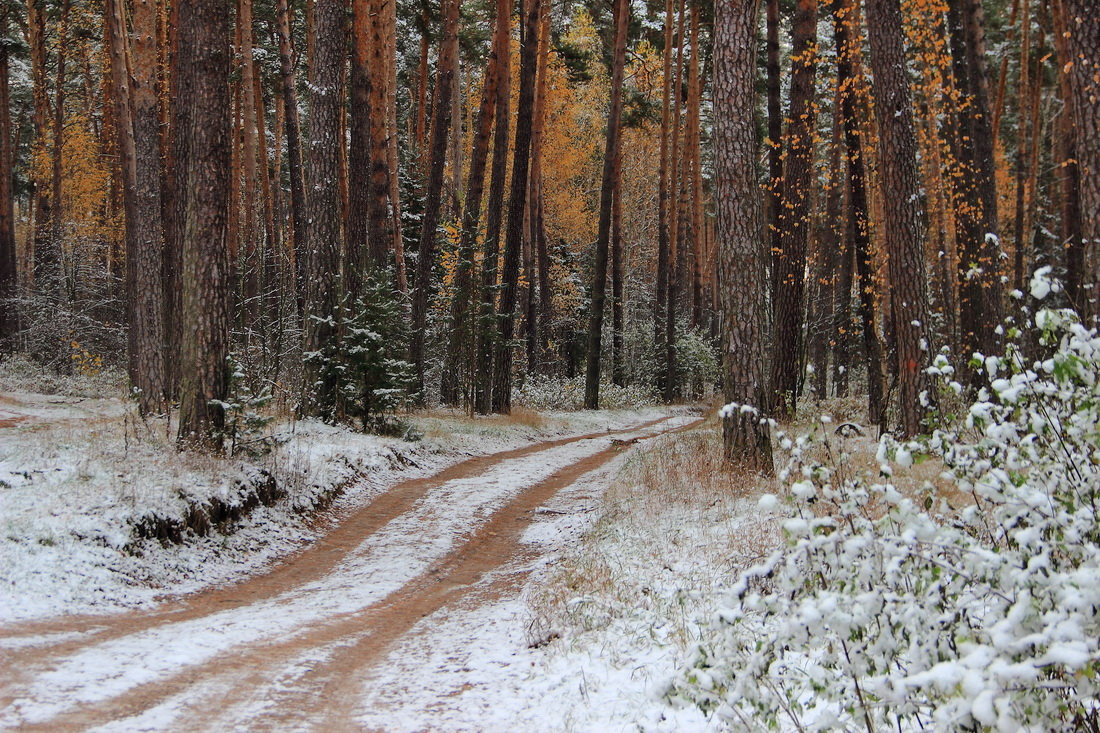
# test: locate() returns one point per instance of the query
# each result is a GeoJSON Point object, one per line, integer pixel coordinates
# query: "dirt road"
{"type": "Point", "coordinates": [288, 650]}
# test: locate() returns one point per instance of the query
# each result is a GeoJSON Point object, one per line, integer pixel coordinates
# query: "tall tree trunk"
{"type": "Point", "coordinates": [47, 258]}
{"type": "Point", "coordinates": [671, 380]}
{"type": "Point", "coordinates": [293, 150]}
{"type": "Point", "coordinates": [694, 144]}
{"type": "Point", "coordinates": [137, 120]}
{"type": "Point", "coordinates": [1065, 157]}
{"type": "Point", "coordinates": [773, 82]}
{"type": "Point", "coordinates": [607, 197]}
{"type": "Point", "coordinates": [1083, 27]}
{"type": "Point", "coordinates": [904, 217]}
{"type": "Point", "coordinates": [794, 219]}
{"type": "Point", "coordinates": [846, 27]}
{"type": "Point", "coordinates": [359, 249]}
{"type": "Point", "coordinates": [9, 279]}
{"type": "Point", "coordinates": [980, 289]}
{"type": "Point", "coordinates": [538, 311]}
{"type": "Point", "coordinates": [421, 132]}
{"type": "Point", "coordinates": [459, 353]}
{"type": "Point", "coordinates": [618, 366]}
{"type": "Point", "coordinates": [486, 339]}
{"type": "Point", "coordinates": [383, 235]}
{"type": "Point", "coordinates": [441, 123]}
{"type": "Point", "coordinates": [251, 230]}
{"type": "Point", "coordinates": [204, 64]}
{"type": "Point", "coordinates": [742, 257]}
{"type": "Point", "coordinates": [64, 283]}
{"type": "Point", "coordinates": [664, 264]}
{"type": "Point", "coordinates": [513, 239]}
{"type": "Point", "coordinates": [323, 211]}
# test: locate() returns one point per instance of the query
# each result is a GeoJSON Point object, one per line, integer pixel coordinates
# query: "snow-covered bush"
{"type": "Point", "coordinates": [971, 604]}
{"type": "Point", "coordinates": [554, 393]}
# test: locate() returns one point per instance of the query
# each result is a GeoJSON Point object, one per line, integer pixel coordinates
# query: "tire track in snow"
{"type": "Point", "coordinates": [352, 634]}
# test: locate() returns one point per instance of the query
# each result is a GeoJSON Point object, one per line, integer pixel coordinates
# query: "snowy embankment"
{"type": "Point", "coordinates": [98, 512]}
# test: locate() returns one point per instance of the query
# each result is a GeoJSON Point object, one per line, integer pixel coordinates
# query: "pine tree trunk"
{"type": "Point", "coordinates": [904, 217]}
{"type": "Point", "coordinates": [846, 26]}
{"type": "Point", "coordinates": [9, 279]}
{"type": "Point", "coordinates": [459, 353]}
{"type": "Point", "coordinates": [1083, 27]}
{"type": "Point", "coordinates": [742, 255]}
{"type": "Point", "coordinates": [293, 151]}
{"type": "Point", "coordinates": [607, 197]}
{"type": "Point", "coordinates": [137, 120]}
{"type": "Point", "coordinates": [323, 211]}
{"type": "Point", "coordinates": [794, 219]}
{"type": "Point", "coordinates": [441, 123]}
{"type": "Point", "coordinates": [1065, 157]}
{"type": "Point", "coordinates": [56, 231]}
{"type": "Point", "coordinates": [664, 264]}
{"type": "Point", "coordinates": [47, 259]}
{"type": "Point", "coordinates": [204, 65]}
{"type": "Point", "coordinates": [696, 172]}
{"type": "Point", "coordinates": [513, 239]}
{"type": "Point", "coordinates": [250, 261]}
{"type": "Point", "coordinates": [359, 250]}
{"type": "Point", "coordinates": [773, 82]}
{"type": "Point", "coordinates": [980, 289]}
{"type": "Point", "coordinates": [671, 379]}
{"type": "Point", "coordinates": [381, 225]}
{"type": "Point", "coordinates": [486, 340]}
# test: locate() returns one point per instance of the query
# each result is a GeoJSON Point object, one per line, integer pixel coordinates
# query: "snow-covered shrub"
{"type": "Point", "coordinates": [554, 393]}
{"type": "Point", "coordinates": [697, 362]}
{"type": "Point", "coordinates": [974, 604]}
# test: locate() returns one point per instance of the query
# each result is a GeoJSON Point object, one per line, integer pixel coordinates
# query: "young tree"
{"type": "Point", "coordinates": [742, 257]}
{"type": "Point", "coordinates": [607, 195]}
{"type": "Point", "coordinates": [904, 215]}
{"type": "Point", "coordinates": [204, 63]}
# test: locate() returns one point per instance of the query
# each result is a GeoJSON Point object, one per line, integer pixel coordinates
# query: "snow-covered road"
{"type": "Point", "coordinates": [298, 648]}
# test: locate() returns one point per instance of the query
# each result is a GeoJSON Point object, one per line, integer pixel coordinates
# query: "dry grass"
{"type": "Point", "coordinates": [674, 529]}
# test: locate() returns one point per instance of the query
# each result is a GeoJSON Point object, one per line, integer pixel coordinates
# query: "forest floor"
{"type": "Point", "coordinates": [547, 573]}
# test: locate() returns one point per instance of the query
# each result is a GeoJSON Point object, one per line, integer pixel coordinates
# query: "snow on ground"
{"type": "Point", "coordinates": [385, 561]}
{"type": "Point", "coordinates": [80, 475]}
{"type": "Point", "coordinates": [606, 614]}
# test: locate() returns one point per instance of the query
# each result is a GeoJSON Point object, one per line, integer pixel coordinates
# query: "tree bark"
{"type": "Point", "coordinates": [204, 62]}
{"type": "Point", "coordinates": [904, 216]}
{"type": "Point", "coordinates": [794, 220]}
{"type": "Point", "coordinates": [1083, 27]}
{"type": "Point", "coordinates": [9, 278]}
{"type": "Point", "coordinates": [483, 397]}
{"type": "Point", "coordinates": [293, 150]}
{"type": "Point", "coordinates": [323, 211]}
{"type": "Point", "coordinates": [459, 352]}
{"type": "Point", "coordinates": [441, 124]}
{"type": "Point", "coordinates": [980, 289]}
{"type": "Point", "coordinates": [607, 197]}
{"type": "Point", "coordinates": [513, 239]}
{"type": "Point", "coordinates": [137, 118]}
{"type": "Point", "coordinates": [742, 255]}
